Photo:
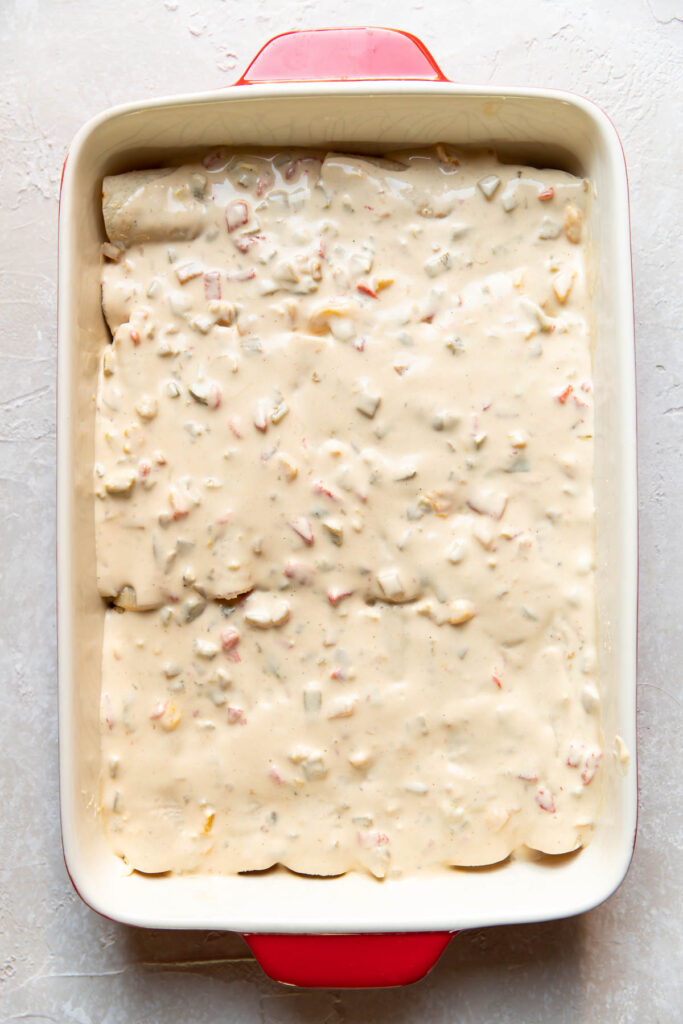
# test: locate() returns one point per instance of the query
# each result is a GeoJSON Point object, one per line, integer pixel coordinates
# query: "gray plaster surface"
{"type": "Point", "coordinates": [61, 62]}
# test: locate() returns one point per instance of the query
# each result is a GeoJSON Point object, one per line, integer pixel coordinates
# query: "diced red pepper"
{"type": "Point", "coordinates": [303, 528]}
{"type": "Point", "coordinates": [213, 160]}
{"type": "Point", "coordinates": [263, 183]}
{"type": "Point", "coordinates": [244, 275]}
{"type": "Point", "coordinates": [544, 799]}
{"type": "Point", "coordinates": [158, 709]}
{"type": "Point", "coordinates": [319, 488]}
{"type": "Point", "coordinates": [230, 637]}
{"type": "Point", "coordinates": [212, 285]}
{"type": "Point", "coordinates": [290, 170]}
{"type": "Point", "coordinates": [234, 425]}
{"type": "Point", "coordinates": [245, 242]}
{"type": "Point", "coordinates": [300, 572]}
{"type": "Point", "coordinates": [236, 215]}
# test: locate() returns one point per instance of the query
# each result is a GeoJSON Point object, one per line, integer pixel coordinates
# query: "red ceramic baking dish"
{"type": "Point", "coordinates": [360, 90]}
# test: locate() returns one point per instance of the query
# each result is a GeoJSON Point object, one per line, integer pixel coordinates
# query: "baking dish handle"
{"type": "Point", "coordinates": [343, 55]}
{"type": "Point", "coordinates": [348, 961]}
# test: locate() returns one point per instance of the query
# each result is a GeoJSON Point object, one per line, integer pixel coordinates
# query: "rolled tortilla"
{"type": "Point", "coordinates": [152, 206]}
{"type": "Point", "coordinates": [120, 296]}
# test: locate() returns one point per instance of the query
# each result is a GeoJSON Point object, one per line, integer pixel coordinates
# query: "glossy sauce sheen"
{"type": "Point", "coordinates": [344, 460]}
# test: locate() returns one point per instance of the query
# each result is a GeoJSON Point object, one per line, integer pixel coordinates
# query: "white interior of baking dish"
{"type": "Point", "coordinates": [529, 126]}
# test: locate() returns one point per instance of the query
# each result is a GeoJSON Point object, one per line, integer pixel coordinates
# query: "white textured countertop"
{"type": "Point", "coordinates": [61, 62]}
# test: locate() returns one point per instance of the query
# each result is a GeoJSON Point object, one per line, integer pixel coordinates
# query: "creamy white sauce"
{"type": "Point", "coordinates": [344, 456]}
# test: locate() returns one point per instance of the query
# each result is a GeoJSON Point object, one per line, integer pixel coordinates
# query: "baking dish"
{"type": "Point", "coordinates": [367, 90]}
